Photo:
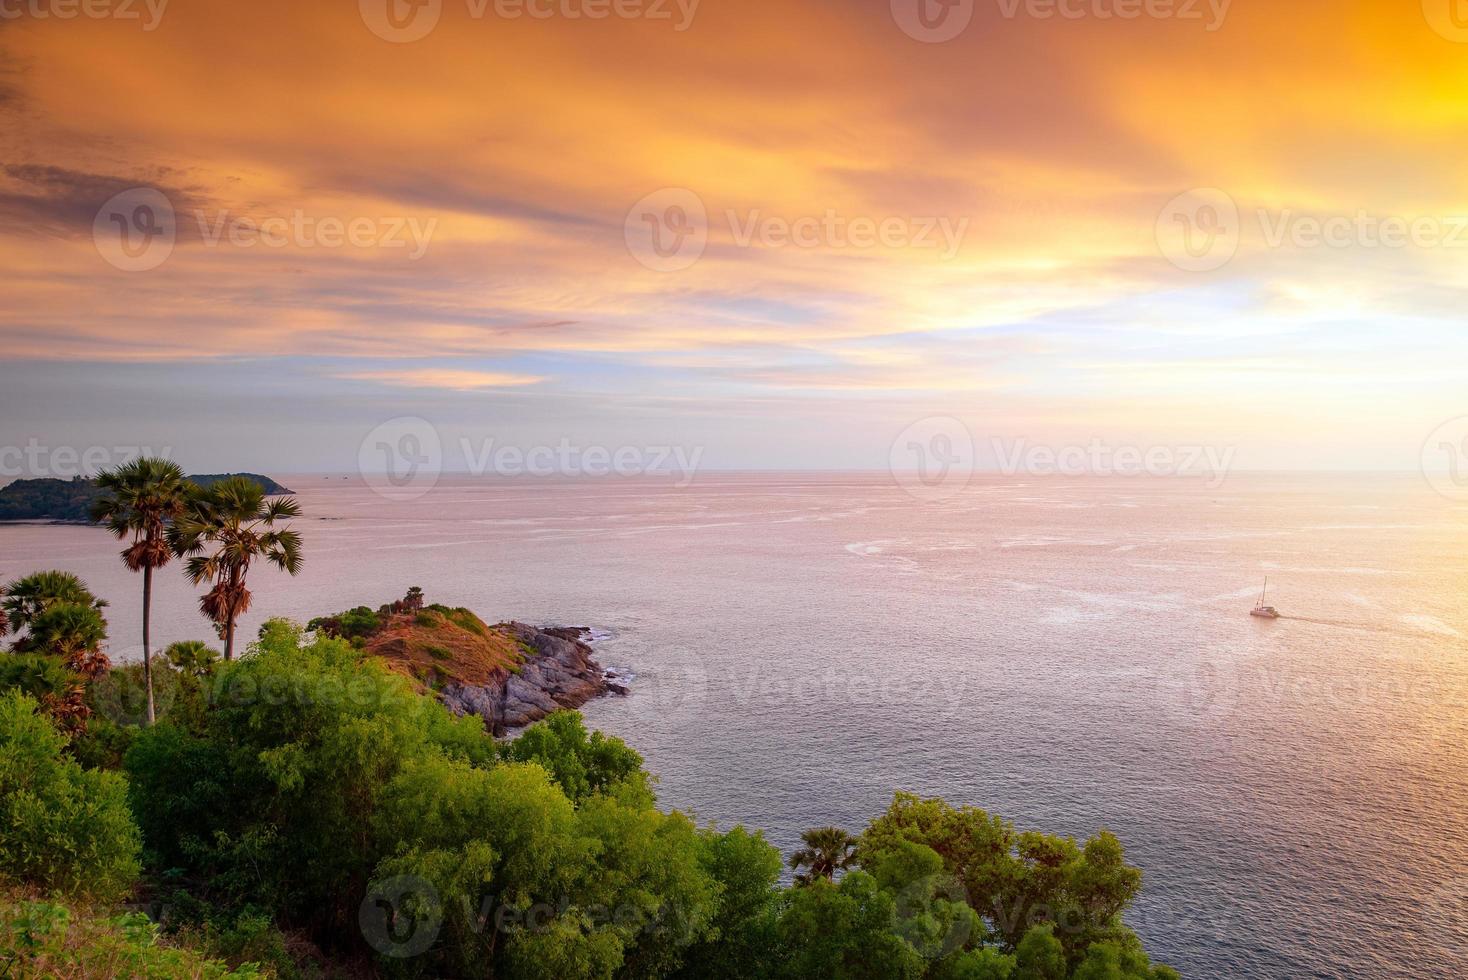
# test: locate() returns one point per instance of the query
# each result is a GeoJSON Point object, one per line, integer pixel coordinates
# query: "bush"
{"type": "Point", "coordinates": [61, 826]}
{"type": "Point", "coordinates": [44, 939]}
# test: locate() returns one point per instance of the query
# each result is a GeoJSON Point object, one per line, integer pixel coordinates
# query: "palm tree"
{"type": "Point", "coordinates": [27, 598]}
{"type": "Point", "coordinates": [72, 632]}
{"type": "Point", "coordinates": [4, 616]}
{"type": "Point", "coordinates": [237, 525]}
{"type": "Point", "coordinates": [142, 497]}
{"type": "Point", "coordinates": [192, 657]}
{"type": "Point", "coordinates": [827, 850]}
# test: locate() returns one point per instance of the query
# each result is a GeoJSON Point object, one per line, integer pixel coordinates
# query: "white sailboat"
{"type": "Point", "coordinates": [1260, 609]}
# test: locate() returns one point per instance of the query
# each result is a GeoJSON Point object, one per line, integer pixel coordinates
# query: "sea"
{"type": "Point", "coordinates": [1070, 653]}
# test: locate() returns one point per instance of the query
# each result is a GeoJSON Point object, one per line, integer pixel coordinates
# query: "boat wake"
{"type": "Point", "coordinates": [1348, 625]}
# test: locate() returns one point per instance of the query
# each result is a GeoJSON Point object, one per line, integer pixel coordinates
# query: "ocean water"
{"type": "Point", "coordinates": [1070, 653]}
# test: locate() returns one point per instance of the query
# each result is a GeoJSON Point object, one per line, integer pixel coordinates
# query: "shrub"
{"type": "Point", "coordinates": [61, 826]}
{"type": "Point", "coordinates": [44, 939]}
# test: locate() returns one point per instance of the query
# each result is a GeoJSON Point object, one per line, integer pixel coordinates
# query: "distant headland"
{"type": "Point", "coordinates": [70, 501]}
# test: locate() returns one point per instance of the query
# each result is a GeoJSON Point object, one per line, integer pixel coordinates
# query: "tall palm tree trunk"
{"type": "Point", "coordinates": [147, 639]}
{"type": "Point", "coordinates": [229, 636]}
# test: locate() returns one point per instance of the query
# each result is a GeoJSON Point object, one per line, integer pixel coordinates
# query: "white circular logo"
{"type": "Point", "coordinates": [1449, 18]}
{"type": "Point", "coordinates": [121, 694]}
{"type": "Point", "coordinates": [400, 917]}
{"type": "Point", "coordinates": [1445, 459]}
{"type": "Point", "coordinates": [933, 21]}
{"type": "Point", "coordinates": [1198, 231]}
{"type": "Point", "coordinates": [933, 459]}
{"type": "Point", "coordinates": [1202, 691]}
{"type": "Point", "coordinates": [671, 684]}
{"type": "Point", "coordinates": [400, 21]}
{"type": "Point", "coordinates": [135, 230]}
{"type": "Point", "coordinates": [402, 458]}
{"type": "Point", "coordinates": [668, 230]}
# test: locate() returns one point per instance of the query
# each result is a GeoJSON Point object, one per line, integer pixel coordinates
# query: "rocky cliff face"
{"type": "Point", "coordinates": [556, 672]}
{"type": "Point", "coordinates": [509, 674]}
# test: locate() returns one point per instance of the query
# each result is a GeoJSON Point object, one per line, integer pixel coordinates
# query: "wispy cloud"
{"type": "Point", "coordinates": [448, 379]}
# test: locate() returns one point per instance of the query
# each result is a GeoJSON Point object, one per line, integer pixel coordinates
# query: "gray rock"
{"type": "Point", "coordinates": [561, 675]}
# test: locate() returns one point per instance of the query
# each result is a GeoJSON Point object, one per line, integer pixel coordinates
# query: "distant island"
{"type": "Point", "coordinates": [71, 500]}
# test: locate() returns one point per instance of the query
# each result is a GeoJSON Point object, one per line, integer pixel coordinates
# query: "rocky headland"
{"type": "Point", "coordinates": [509, 674]}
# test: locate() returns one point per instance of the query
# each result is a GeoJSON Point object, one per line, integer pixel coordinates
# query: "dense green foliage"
{"type": "Point", "coordinates": [72, 500]}
{"type": "Point", "coordinates": [61, 827]}
{"type": "Point", "coordinates": [303, 806]}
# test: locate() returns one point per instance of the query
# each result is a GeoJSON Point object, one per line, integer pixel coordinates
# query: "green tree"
{"type": "Point", "coordinates": [71, 635]}
{"type": "Point", "coordinates": [140, 500]}
{"type": "Point", "coordinates": [1040, 956]}
{"type": "Point", "coordinates": [581, 764]}
{"type": "Point", "coordinates": [61, 826]}
{"type": "Point", "coordinates": [193, 657]}
{"type": "Point", "coordinates": [225, 529]}
{"type": "Point", "coordinates": [742, 934]}
{"type": "Point", "coordinates": [845, 931]}
{"type": "Point", "coordinates": [71, 632]}
{"type": "Point", "coordinates": [827, 850]}
{"type": "Point", "coordinates": [26, 598]}
{"type": "Point", "coordinates": [1017, 880]}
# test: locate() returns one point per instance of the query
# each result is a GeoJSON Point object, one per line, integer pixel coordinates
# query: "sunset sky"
{"type": "Point", "coordinates": [493, 167]}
